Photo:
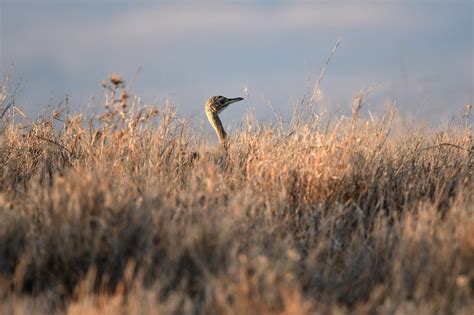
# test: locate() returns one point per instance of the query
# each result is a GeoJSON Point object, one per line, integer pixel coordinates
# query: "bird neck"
{"type": "Point", "coordinates": [218, 128]}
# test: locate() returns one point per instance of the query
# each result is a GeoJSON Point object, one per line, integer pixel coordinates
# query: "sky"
{"type": "Point", "coordinates": [416, 54]}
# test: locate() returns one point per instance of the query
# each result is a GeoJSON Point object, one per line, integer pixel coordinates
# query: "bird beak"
{"type": "Point", "coordinates": [234, 100]}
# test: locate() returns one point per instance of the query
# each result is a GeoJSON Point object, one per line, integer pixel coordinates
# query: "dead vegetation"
{"type": "Point", "coordinates": [115, 215]}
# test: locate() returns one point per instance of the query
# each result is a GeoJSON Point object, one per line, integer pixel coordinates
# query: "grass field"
{"type": "Point", "coordinates": [136, 212]}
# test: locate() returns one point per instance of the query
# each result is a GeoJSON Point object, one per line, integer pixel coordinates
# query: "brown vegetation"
{"type": "Point", "coordinates": [116, 215]}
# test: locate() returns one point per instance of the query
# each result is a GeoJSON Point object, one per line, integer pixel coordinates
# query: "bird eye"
{"type": "Point", "coordinates": [222, 101]}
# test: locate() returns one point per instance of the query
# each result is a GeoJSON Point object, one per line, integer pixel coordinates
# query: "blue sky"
{"type": "Point", "coordinates": [416, 53]}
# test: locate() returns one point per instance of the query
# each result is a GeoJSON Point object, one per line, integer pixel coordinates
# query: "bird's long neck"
{"type": "Point", "coordinates": [217, 125]}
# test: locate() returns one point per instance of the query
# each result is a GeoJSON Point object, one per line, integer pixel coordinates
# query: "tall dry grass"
{"type": "Point", "coordinates": [119, 215]}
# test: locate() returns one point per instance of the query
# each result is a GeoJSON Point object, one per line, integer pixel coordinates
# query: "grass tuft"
{"type": "Point", "coordinates": [119, 214]}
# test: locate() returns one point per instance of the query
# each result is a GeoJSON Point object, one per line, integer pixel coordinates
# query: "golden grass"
{"type": "Point", "coordinates": [116, 215]}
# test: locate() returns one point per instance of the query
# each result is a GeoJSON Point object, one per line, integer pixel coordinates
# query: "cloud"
{"type": "Point", "coordinates": [69, 34]}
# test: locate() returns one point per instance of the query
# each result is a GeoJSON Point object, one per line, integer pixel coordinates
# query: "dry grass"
{"type": "Point", "coordinates": [116, 215]}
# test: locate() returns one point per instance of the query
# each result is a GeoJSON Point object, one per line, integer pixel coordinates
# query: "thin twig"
{"type": "Point", "coordinates": [56, 143]}
{"type": "Point", "coordinates": [447, 145]}
{"type": "Point", "coordinates": [12, 100]}
{"type": "Point", "coordinates": [323, 72]}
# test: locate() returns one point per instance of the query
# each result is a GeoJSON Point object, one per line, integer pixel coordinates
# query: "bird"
{"type": "Point", "coordinates": [213, 107]}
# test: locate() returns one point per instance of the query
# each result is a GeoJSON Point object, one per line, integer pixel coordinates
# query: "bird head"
{"type": "Point", "coordinates": [217, 104]}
